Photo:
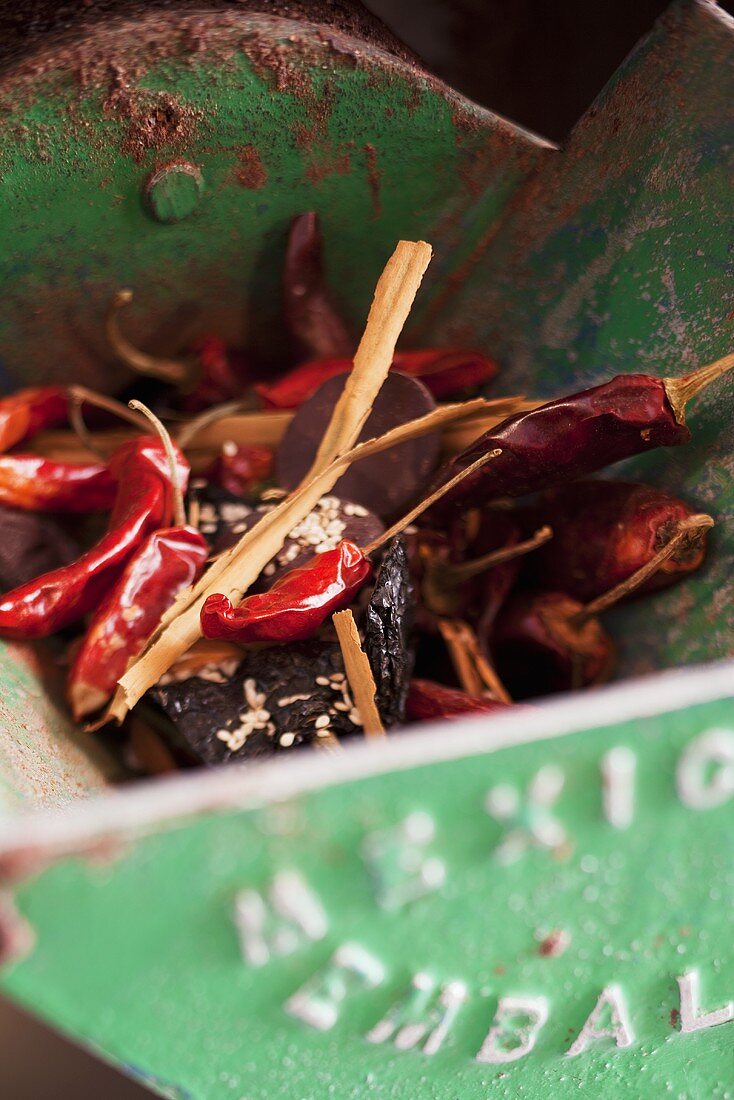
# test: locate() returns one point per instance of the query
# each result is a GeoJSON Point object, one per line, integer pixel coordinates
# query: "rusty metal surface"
{"type": "Point", "coordinates": [278, 116]}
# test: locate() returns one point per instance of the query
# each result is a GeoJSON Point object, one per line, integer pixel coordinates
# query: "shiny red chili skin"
{"type": "Point", "coordinates": [297, 605]}
{"type": "Point", "coordinates": [239, 469]}
{"type": "Point", "coordinates": [604, 531]}
{"type": "Point", "coordinates": [28, 411]}
{"type": "Point", "coordinates": [538, 650]}
{"type": "Point", "coordinates": [38, 484]}
{"type": "Point", "coordinates": [144, 502]}
{"type": "Point", "coordinates": [444, 371]}
{"type": "Point", "coordinates": [167, 561]}
{"type": "Point", "coordinates": [429, 701]}
{"type": "Point", "coordinates": [564, 440]}
{"type": "Point", "coordinates": [310, 314]}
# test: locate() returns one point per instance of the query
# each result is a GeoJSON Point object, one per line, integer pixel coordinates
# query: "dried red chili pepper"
{"type": "Point", "coordinates": [210, 374]}
{"type": "Point", "coordinates": [41, 485]}
{"type": "Point", "coordinates": [444, 371]}
{"type": "Point", "coordinates": [144, 502]}
{"type": "Point", "coordinates": [239, 469]}
{"type": "Point", "coordinates": [577, 435]}
{"type": "Point", "coordinates": [429, 701]}
{"type": "Point", "coordinates": [296, 606]}
{"type": "Point", "coordinates": [541, 647]}
{"type": "Point", "coordinates": [28, 411]}
{"type": "Point", "coordinates": [547, 641]}
{"type": "Point", "coordinates": [605, 531]}
{"type": "Point", "coordinates": [314, 322]}
{"type": "Point", "coordinates": [166, 562]}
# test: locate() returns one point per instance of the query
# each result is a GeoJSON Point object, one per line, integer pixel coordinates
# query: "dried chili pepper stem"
{"type": "Point", "coordinates": [179, 509]}
{"type": "Point", "coordinates": [626, 587]}
{"type": "Point", "coordinates": [473, 669]}
{"type": "Point", "coordinates": [465, 570]}
{"type": "Point", "coordinates": [76, 419]}
{"type": "Point", "coordinates": [681, 390]}
{"type": "Point", "coordinates": [174, 371]}
{"type": "Point", "coordinates": [427, 503]}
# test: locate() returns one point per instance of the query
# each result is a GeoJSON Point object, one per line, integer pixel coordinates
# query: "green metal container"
{"type": "Point", "coordinates": [541, 906]}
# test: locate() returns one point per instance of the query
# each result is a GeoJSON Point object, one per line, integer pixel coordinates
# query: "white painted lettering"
{"type": "Point", "coordinates": [419, 1013]}
{"type": "Point", "coordinates": [517, 1023]}
{"type": "Point", "coordinates": [292, 916]}
{"type": "Point", "coordinates": [619, 1027]}
{"type": "Point", "coordinates": [691, 1017]}
{"type": "Point", "coordinates": [350, 968]}
{"type": "Point", "coordinates": [527, 819]}
{"type": "Point", "coordinates": [400, 868]}
{"type": "Point", "coordinates": [618, 768]}
{"type": "Point", "coordinates": [697, 787]}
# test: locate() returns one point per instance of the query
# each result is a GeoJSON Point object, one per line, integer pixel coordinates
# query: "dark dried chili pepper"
{"type": "Point", "coordinates": [547, 641]}
{"type": "Point", "coordinates": [42, 485]}
{"type": "Point", "coordinates": [443, 371]}
{"type": "Point", "coordinates": [577, 435]}
{"type": "Point", "coordinates": [429, 701]}
{"type": "Point", "coordinates": [310, 314]}
{"type": "Point", "coordinates": [239, 469]}
{"type": "Point", "coordinates": [540, 646]}
{"type": "Point", "coordinates": [296, 606]}
{"type": "Point", "coordinates": [210, 374]}
{"type": "Point", "coordinates": [168, 561]}
{"type": "Point", "coordinates": [31, 410]}
{"type": "Point", "coordinates": [605, 531]}
{"type": "Point", "coordinates": [62, 596]}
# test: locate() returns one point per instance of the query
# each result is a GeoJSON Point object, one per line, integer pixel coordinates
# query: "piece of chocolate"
{"type": "Point", "coordinates": [387, 633]}
{"type": "Point", "coordinates": [277, 698]}
{"type": "Point", "coordinates": [385, 483]}
{"type": "Point", "coordinates": [32, 544]}
{"type": "Point", "coordinates": [322, 529]}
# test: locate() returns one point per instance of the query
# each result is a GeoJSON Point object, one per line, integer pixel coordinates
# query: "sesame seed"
{"type": "Point", "coordinates": [322, 722]}
{"type": "Point", "coordinates": [322, 681]}
{"type": "Point", "coordinates": [287, 739]}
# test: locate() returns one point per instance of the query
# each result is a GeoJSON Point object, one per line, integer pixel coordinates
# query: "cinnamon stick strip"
{"type": "Point", "coordinates": [359, 673]}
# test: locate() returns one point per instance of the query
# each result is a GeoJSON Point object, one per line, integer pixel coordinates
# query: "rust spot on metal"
{"type": "Point", "coordinates": [155, 119]}
{"type": "Point", "coordinates": [373, 178]}
{"type": "Point", "coordinates": [17, 937]}
{"type": "Point", "coordinates": [24, 863]}
{"type": "Point", "coordinates": [331, 164]}
{"type": "Point", "coordinates": [251, 172]}
{"type": "Point", "coordinates": [674, 1017]}
{"type": "Point", "coordinates": [554, 944]}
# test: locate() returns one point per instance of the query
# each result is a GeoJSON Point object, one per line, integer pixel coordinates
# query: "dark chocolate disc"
{"type": "Point", "coordinates": [322, 529]}
{"type": "Point", "coordinates": [387, 633]}
{"type": "Point", "coordinates": [385, 483]}
{"type": "Point", "coordinates": [221, 513]}
{"type": "Point", "coordinates": [276, 699]}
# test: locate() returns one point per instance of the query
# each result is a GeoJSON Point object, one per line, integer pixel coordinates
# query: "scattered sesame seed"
{"type": "Point", "coordinates": [322, 722]}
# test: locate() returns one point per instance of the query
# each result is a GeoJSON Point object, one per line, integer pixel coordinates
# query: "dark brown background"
{"type": "Point", "coordinates": [540, 63]}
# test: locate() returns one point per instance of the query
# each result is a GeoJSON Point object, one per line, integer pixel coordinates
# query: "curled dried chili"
{"type": "Point", "coordinates": [605, 531]}
{"type": "Point", "coordinates": [429, 701]}
{"type": "Point", "coordinates": [28, 411]}
{"type": "Point", "coordinates": [310, 314]}
{"type": "Point", "coordinates": [166, 562]}
{"type": "Point", "coordinates": [296, 606]}
{"type": "Point", "coordinates": [143, 502]}
{"type": "Point", "coordinates": [42, 485]}
{"type": "Point", "coordinates": [577, 435]}
{"type": "Point", "coordinates": [548, 641]}
{"type": "Point", "coordinates": [444, 371]}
